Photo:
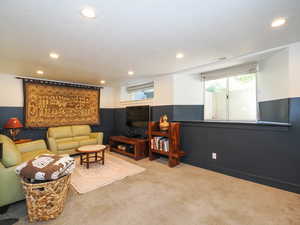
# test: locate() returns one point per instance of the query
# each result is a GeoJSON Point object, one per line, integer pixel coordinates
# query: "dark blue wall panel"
{"type": "Point", "coordinates": [188, 112]}
{"type": "Point", "coordinates": [158, 111]}
{"type": "Point", "coordinates": [268, 155]}
{"type": "Point", "coordinates": [265, 154]}
{"type": "Point", "coordinates": [275, 110]}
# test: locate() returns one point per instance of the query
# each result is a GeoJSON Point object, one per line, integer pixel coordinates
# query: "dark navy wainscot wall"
{"type": "Point", "coordinates": [263, 153]}
{"type": "Point", "coordinates": [274, 110]}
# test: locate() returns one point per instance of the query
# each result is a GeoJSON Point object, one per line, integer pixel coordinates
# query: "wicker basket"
{"type": "Point", "coordinates": [45, 201]}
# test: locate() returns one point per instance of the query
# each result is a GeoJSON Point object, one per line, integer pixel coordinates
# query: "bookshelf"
{"type": "Point", "coordinates": [165, 143]}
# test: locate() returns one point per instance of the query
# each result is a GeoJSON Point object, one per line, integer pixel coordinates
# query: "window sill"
{"type": "Point", "coordinates": [137, 102]}
{"type": "Point", "coordinates": [266, 123]}
{"type": "Point", "coordinates": [250, 125]}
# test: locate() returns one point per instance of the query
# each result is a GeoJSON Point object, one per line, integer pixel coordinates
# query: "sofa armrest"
{"type": "Point", "coordinates": [32, 146]}
{"type": "Point", "coordinates": [98, 136]}
{"type": "Point", "coordinates": [10, 186]}
{"type": "Point", "coordinates": [52, 144]}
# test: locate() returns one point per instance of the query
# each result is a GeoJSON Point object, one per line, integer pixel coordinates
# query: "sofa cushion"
{"type": "Point", "coordinates": [60, 132]}
{"type": "Point", "coordinates": [80, 138]}
{"type": "Point", "coordinates": [64, 139]}
{"type": "Point", "coordinates": [67, 145]}
{"type": "Point", "coordinates": [31, 146]}
{"type": "Point", "coordinates": [90, 141]}
{"type": "Point", "coordinates": [81, 130]}
{"type": "Point", "coordinates": [11, 156]}
{"type": "Point", "coordinates": [30, 155]}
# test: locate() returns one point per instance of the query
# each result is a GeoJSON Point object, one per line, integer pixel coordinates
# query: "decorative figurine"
{"type": "Point", "coordinates": [163, 123]}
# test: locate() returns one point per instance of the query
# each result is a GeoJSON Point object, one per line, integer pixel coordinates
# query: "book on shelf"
{"type": "Point", "coordinates": [160, 144]}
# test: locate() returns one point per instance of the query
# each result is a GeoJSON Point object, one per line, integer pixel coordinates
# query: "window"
{"type": "Point", "coordinates": [230, 97]}
{"type": "Point", "coordinates": [141, 91]}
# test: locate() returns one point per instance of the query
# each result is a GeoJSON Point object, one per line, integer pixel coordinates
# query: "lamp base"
{"type": "Point", "coordinates": [13, 133]}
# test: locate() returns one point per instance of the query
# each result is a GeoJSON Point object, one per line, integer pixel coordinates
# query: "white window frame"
{"type": "Point", "coordinates": [126, 90]}
{"type": "Point", "coordinates": [227, 76]}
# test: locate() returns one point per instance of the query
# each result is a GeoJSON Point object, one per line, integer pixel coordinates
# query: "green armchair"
{"type": "Point", "coordinates": [12, 155]}
{"type": "Point", "coordinates": [66, 139]}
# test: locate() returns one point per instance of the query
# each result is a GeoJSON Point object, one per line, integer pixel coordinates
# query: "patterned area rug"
{"type": "Point", "coordinates": [84, 180]}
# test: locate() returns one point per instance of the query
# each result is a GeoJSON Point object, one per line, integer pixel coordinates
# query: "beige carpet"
{"type": "Point", "coordinates": [84, 180]}
{"type": "Point", "coordinates": [184, 195]}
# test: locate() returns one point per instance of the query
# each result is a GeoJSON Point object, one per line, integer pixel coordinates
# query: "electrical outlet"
{"type": "Point", "coordinates": [214, 155]}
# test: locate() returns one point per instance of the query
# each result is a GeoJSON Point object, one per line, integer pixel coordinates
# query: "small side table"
{"type": "Point", "coordinates": [21, 141]}
{"type": "Point", "coordinates": [89, 154]}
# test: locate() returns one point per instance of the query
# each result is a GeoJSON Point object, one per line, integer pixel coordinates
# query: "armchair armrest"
{"type": "Point", "coordinates": [98, 136]}
{"type": "Point", "coordinates": [52, 144]}
{"type": "Point", "coordinates": [32, 146]}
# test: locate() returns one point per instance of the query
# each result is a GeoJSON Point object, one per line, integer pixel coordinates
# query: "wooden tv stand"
{"type": "Point", "coordinates": [140, 147]}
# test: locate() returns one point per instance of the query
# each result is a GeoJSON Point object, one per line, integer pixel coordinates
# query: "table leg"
{"type": "Point", "coordinates": [102, 157]}
{"type": "Point", "coordinates": [96, 156]}
{"type": "Point", "coordinates": [81, 159]}
{"type": "Point", "coordinates": [87, 161]}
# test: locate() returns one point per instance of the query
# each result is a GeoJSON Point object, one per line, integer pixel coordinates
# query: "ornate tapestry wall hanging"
{"type": "Point", "coordinates": [48, 104]}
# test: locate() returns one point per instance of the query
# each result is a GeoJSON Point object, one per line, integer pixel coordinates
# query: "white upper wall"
{"type": "Point", "coordinates": [177, 89]}
{"type": "Point", "coordinates": [163, 90]}
{"type": "Point", "coordinates": [279, 77]}
{"type": "Point", "coordinates": [294, 70]}
{"type": "Point", "coordinates": [107, 97]}
{"type": "Point", "coordinates": [11, 93]}
{"type": "Point", "coordinates": [273, 77]}
{"type": "Point", "coordinates": [187, 89]}
{"type": "Point", "coordinates": [163, 93]}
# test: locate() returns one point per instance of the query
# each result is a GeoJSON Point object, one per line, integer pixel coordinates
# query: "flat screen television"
{"type": "Point", "coordinates": [138, 116]}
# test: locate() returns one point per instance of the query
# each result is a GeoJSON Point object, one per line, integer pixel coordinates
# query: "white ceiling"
{"type": "Point", "coordinates": [139, 35]}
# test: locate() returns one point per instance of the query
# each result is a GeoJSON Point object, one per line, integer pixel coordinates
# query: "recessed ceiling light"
{"type": "Point", "coordinates": [88, 12]}
{"type": "Point", "coordinates": [130, 72]}
{"type": "Point", "coordinates": [41, 72]}
{"type": "Point", "coordinates": [179, 55]}
{"type": "Point", "coordinates": [278, 22]}
{"type": "Point", "coordinates": [102, 81]}
{"type": "Point", "coordinates": [54, 55]}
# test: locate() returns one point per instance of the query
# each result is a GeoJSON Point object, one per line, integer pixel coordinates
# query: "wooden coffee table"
{"type": "Point", "coordinates": [89, 154]}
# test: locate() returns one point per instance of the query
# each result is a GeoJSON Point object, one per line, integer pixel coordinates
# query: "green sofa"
{"type": "Point", "coordinates": [14, 154]}
{"type": "Point", "coordinates": [66, 139]}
